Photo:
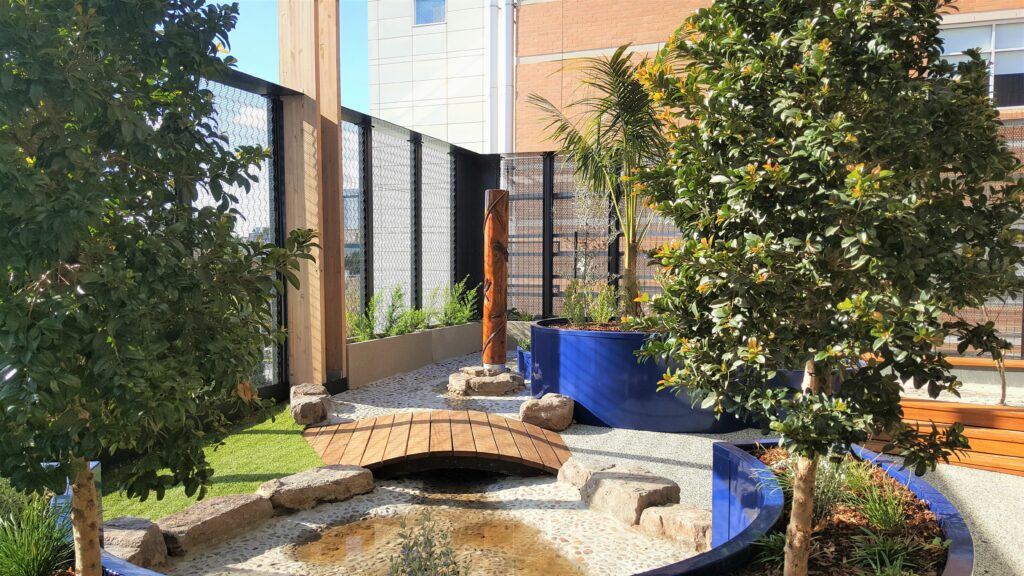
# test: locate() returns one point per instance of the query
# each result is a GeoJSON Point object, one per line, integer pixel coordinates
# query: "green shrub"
{"type": "Point", "coordinates": [458, 304]}
{"type": "Point", "coordinates": [363, 326]}
{"type": "Point", "coordinates": [606, 305]}
{"type": "Point", "coordinates": [576, 303]}
{"type": "Point", "coordinates": [12, 500]}
{"type": "Point", "coordinates": [829, 487]}
{"type": "Point", "coordinates": [771, 549]}
{"type": "Point", "coordinates": [35, 541]}
{"type": "Point", "coordinates": [882, 505]}
{"type": "Point", "coordinates": [425, 551]}
{"type": "Point", "coordinates": [525, 345]}
{"type": "Point", "coordinates": [394, 310]}
{"type": "Point", "coordinates": [410, 320]}
{"type": "Point", "coordinates": [885, 555]}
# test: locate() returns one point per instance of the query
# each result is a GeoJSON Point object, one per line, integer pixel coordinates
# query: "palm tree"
{"type": "Point", "coordinates": [608, 134]}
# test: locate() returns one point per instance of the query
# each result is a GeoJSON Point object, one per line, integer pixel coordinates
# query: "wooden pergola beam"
{"type": "Point", "coordinates": [309, 59]}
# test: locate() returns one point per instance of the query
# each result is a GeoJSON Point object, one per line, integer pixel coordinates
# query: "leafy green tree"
{"type": "Point", "coordinates": [610, 132]}
{"type": "Point", "coordinates": [842, 193]}
{"type": "Point", "coordinates": [130, 317]}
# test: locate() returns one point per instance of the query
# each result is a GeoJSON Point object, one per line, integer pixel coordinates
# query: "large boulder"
{"type": "Point", "coordinates": [685, 524]}
{"type": "Point", "coordinates": [213, 520]}
{"type": "Point", "coordinates": [624, 492]}
{"type": "Point", "coordinates": [136, 540]}
{"type": "Point", "coordinates": [325, 484]}
{"type": "Point", "coordinates": [480, 381]}
{"type": "Point", "coordinates": [308, 390]}
{"type": "Point", "coordinates": [551, 411]}
{"type": "Point", "coordinates": [308, 410]}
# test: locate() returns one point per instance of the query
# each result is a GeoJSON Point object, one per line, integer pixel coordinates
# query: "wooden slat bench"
{"type": "Point", "coordinates": [415, 441]}
{"type": "Point", "coordinates": [996, 433]}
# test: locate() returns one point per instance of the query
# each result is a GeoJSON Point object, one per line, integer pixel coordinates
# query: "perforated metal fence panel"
{"type": "Point", "coordinates": [246, 119]}
{"type": "Point", "coordinates": [352, 184]}
{"type": "Point", "coordinates": [437, 201]}
{"type": "Point", "coordinates": [392, 213]}
{"type": "Point", "coordinates": [523, 177]}
{"type": "Point", "coordinates": [581, 234]}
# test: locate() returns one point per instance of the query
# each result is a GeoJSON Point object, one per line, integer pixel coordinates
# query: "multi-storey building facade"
{"type": "Point", "coordinates": [444, 68]}
{"type": "Point", "coordinates": [462, 70]}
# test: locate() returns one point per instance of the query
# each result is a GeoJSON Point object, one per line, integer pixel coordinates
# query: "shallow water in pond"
{"type": "Point", "coordinates": [485, 539]}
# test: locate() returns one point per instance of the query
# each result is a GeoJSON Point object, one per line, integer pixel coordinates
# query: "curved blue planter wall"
{"type": "Point", "coordinates": [747, 503]}
{"type": "Point", "coordinates": [611, 386]}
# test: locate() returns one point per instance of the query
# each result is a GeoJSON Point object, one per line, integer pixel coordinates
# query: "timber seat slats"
{"type": "Point", "coordinates": [995, 433]}
{"type": "Point", "coordinates": [413, 441]}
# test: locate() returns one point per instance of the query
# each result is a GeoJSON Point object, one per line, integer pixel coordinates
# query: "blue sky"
{"type": "Point", "coordinates": [254, 44]}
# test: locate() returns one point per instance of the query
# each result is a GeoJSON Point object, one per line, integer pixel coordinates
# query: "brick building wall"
{"type": "Point", "coordinates": [553, 33]}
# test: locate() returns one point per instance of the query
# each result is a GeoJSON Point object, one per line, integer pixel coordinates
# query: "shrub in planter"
{"type": "Point", "coordinates": [843, 194]}
{"type": "Point", "coordinates": [35, 540]}
{"type": "Point", "coordinates": [12, 500]}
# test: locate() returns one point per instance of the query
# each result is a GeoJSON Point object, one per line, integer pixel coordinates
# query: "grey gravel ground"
{"type": "Point", "coordinates": [992, 503]}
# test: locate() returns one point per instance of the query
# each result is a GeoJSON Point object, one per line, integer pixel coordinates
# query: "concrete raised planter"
{"type": "Point", "coordinates": [373, 360]}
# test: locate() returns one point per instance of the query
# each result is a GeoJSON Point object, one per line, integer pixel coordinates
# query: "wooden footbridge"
{"type": "Point", "coordinates": [415, 441]}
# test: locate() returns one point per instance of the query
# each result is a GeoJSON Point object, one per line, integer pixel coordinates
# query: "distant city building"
{"type": "Point", "coordinates": [462, 70]}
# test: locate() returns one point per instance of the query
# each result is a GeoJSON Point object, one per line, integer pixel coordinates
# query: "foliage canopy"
{"type": "Point", "coordinates": [843, 193]}
{"type": "Point", "coordinates": [131, 316]}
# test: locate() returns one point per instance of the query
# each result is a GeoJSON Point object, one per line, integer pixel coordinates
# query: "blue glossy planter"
{"type": "Point", "coordinates": [747, 503]}
{"type": "Point", "coordinates": [611, 386]}
{"type": "Point", "coordinates": [524, 362]}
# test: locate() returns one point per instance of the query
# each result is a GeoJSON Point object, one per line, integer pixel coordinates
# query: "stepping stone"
{"type": "Point", "coordinates": [136, 540]}
{"type": "Point", "coordinates": [682, 523]}
{"type": "Point", "coordinates": [306, 489]}
{"type": "Point", "coordinates": [478, 381]}
{"type": "Point", "coordinates": [552, 411]}
{"type": "Point", "coordinates": [624, 492]}
{"type": "Point", "coordinates": [213, 520]}
{"type": "Point", "coordinates": [577, 470]}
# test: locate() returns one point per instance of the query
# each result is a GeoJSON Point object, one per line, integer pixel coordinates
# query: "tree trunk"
{"type": "Point", "coordinates": [85, 520]}
{"type": "Point", "coordinates": [798, 533]}
{"type": "Point", "coordinates": [1000, 365]}
{"type": "Point", "coordinates": [630, 285]}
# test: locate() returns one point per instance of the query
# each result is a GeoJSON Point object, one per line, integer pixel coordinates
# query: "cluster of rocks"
{"type": "Point", "coordinates": [480, 381]}
{"type": "Point", "coordinates": [309, 403]}
{"type": "Point", "coordinates": [147, 544]}
{"type": "Point", "coordinates": [639, 498]}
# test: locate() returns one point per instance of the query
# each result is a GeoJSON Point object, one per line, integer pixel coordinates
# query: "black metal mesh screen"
{"type": "Point", "coordinates": [581, 234]}
{"type": "Point", "coordinates": [438, 219]}
{"type": "Point", "coordinates": [352, 196]}
{"type": "Point", "coordinates": [246, 120]}
{"type": "Point", "coordinates": [523, 177]}
{"type": "Point", "coordinates": [392, 212]}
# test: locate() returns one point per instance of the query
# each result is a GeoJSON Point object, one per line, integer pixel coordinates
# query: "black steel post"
{"type": "Point", "coordinates": [279, 389]}
{"type": "Point", "coordinates": [366, 129]}
{"type": "Point", "coordinates": [548, 237]}
{"type": "Point", "coordinates": [454, 191]}
{"type": "Point", "coordinates": [416, 251]}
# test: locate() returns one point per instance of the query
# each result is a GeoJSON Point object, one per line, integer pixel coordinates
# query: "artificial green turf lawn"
{"type": "Point", "coordinates": [251, 455]}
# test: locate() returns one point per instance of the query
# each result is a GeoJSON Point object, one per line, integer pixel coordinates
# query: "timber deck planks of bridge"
{"type": "Point", "coordinates": [416, 440]}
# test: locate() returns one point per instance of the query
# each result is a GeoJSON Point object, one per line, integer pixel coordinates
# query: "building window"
{"type": "Point", "coordinates": [1002, 46]}
{"type": "Point", "coordinates": [429, 11]}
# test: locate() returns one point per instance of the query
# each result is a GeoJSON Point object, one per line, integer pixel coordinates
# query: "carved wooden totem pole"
{"type": "Point", "coordinates": [495, 278]}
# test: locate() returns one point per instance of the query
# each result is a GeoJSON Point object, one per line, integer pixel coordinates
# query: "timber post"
{"type": "Point", "coordinates": [495, 278]}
